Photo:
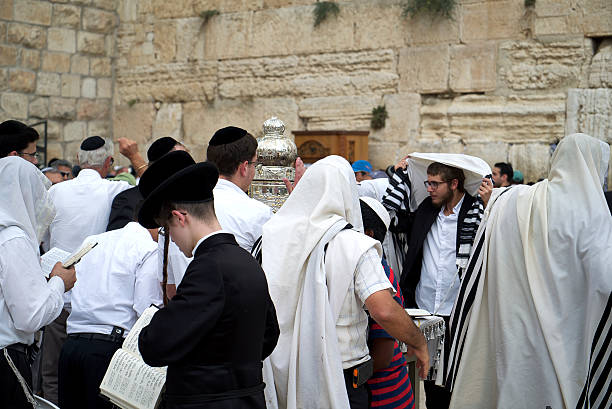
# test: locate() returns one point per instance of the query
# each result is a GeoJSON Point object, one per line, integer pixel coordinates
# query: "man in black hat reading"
{"type": "Point", "coordinates": [222, 320]}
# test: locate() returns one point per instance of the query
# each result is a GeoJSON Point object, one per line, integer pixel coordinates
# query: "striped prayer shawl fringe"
{"type": "Point", "coordinates": [462, 310]}
{"type": "Point", "coordinates": [398, 192]}
{"type": "Point", "coordinates": [256, 250]}
{"type": "Point", "coordinates": [467, 232]}
{"type": "Point", "coordinates": [598, 386]}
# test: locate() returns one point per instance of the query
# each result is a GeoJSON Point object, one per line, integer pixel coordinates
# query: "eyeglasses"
{"type": "Point", "coordinates": [433, 184]}
{"type": "Point", "coordinates": [65, 174]}
{"type": "Point", "coordinates": [34, 155]}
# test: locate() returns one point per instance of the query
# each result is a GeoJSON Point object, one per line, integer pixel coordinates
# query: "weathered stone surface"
{"type": "Point", "coordinates": [490, 152]}
{"type": "Point", "coordinates": [424, 69]}
{"type": "Point", "coordinates": [484, 119]}
{"type": "Point", "coordinates": [424, 30]}
{"type": "Point", "coordinates": [91, 43]}
{"type": "Point", "coordinates": [55, 62]}
{"type": "Point", "coordinates": [22, 81]}
{"type": "Point", "coordinates": [3, 26]}
{"type": "Point", "coordinates": [39, 107]}
{"type": "Point", "coordinates": [30, 59]}
{"type": "Point", "coordinates": [377, 25]}
{"type": "Point", "coordinates": [533, 159]}
{"type": "Point", "coordinates": [473, 67]}
{"type": "Point", "coordinates": [35, 12]}
{"type": "Point", "coordinates": [189, 40]}
{"type": "Point", "coordinates": [75, 131]}
{"type": "Point", "coordinates": [134, 122]}
{"type": "Point", "coordinates": [227, 36]}
{"type": "Point", "coordinates": [71, 85]}
{"type": "Point", "coordinates": [3, 79]}
{"type": "Point", "coordinates": [402, 124]}
{"type": "Point", "coordinates": [26, 35]}
{"type": "Point", "coordinates": [600, 70]}
{"type": "Point", "coordinates": [101, 66]}
{"type": "Point", "coordinates": [61, 39]}
{"type": "Point", "coordinates": [105, 4]}
{"type": "Point", "coordinates": [533, 65]}
{"type": "Point", "coordinates": [168, 82]}
{"type": "Point", "coordinates": [6, 9]}
{"type": "Point", "coordinates": [127, 10]}
{"type": "Point", "coordinates": [91, 109]}
{"type": "Point", "coordinates": [590, 111]}
{"type": "Point", "coordinates": [361, 73]}
{"type": "Point", "coordinates": [48, 84]}
{"type": "Point", "coordinates": [102, 128]}
{"type": "Point", "coordinates": [597, 18]}
{"type": "Point", "coordinates": [15, 105]}
{"type": "Point", "coordinates": [104, 88]}
{"type": "Point", "coordinates": [382, 154]}
{"type": "Point", "coordinates": [55, 150]}
{"type": "Point", "coordinates": [8, 55]}
{"type": "Point", "coordinates": [79, 64]}
{"type": "Point", "coordinates": [165, 41]}
{"type": "Point", "coordinates": [62, 108]}
{"type": "Point", "coordinates": [66, 16]}
{"type": "Point", "coordinates": [88, 88]}
{"type": "Point", "coordinates": [168, 121]}
{"type": "Point", "coordinates": [98, 21]}
{"type": "Point", "coordinates": [491, 20]}
{"type": "Point", "coordinates": [330, 113]}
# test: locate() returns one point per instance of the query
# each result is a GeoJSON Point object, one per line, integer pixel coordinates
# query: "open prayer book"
{"type": "Point", "coordinates": [130, 383]}
{"type": "Point", "coordinates": [48, 260]}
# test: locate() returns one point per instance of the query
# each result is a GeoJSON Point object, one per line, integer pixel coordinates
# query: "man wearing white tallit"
{"type": "Point", "coordinates": [531, 327]}
{"type": "Point", "coordinates": [321, 271]}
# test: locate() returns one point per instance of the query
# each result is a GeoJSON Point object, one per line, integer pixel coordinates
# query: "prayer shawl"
{"type": "Point", "coordinates": [407, 190]}
{"type": "Point", "coordinates": [531, 326]}
{"type": "Point", "coordinates": [306, 366]}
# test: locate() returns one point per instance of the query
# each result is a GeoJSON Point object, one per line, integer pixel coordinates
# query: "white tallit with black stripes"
{"type": "Point", "coordinates": [531, 325]}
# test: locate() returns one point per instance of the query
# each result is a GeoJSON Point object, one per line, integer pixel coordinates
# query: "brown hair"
{"type": "Point", "coordinates": [228, 156]}
{"type": "Point", "coordinates": [447, 173]}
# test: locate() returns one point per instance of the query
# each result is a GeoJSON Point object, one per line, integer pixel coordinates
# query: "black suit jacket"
{"type": "Point", "coordinates": [609, 199]}
{"type": "Point", "coordinates": [217, 329]}
{"type": "Point", "coordinates": [123, 209]}
{"type": "Point", "coordinates": [424, 217]}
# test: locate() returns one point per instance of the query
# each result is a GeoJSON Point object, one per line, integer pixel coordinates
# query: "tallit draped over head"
{"type": "Point", "coordinates": [531, 327]}
{"type": "Point", "coordinates": [25, 202]}
{"type": "Point", "coordinates": [306, 364]}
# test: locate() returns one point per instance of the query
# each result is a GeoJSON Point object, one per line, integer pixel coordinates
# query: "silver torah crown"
{"type": "Point", "coordinates": [276, 156]}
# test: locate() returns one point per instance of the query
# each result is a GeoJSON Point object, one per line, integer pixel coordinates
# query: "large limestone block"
{"type": "Point", "coordinates": [62, 108]}
{"type": "Point", "coordinates": [600, 70]}
{"type": "Point", "coordinates": [30, 59]}
{"type": "Point", "coordinates": [377, 24]}
{"type": "Point", "coordinates": [3, 79]}
{"type": "Point", "coordinates": [168, 82]}
{"type": "Point", "coordinates": [383, 154]}
{"type": "Point", "coordinates": [101, 66]}
{"type": "Point", "coordinates": [597, 18]}
{"type": "Point", "coordinates": [22, 81]}
{"type": "Point", "coordinates": [55, 150]}
{"type": "Point", "coordinates": [65, 15]}
{"type": "Point", "coordinates": [104, 88]}
{"type": "Point", "coordinates": [55, 62]}
{"type": "Point", "coordinates": [61, 39]}
{"type": "Point", "coordinates": [88, 88]}
{"type": "Point", "coordinates": [434, 118]}
{"type": "Point", "coordinates": [359, 73]}
{"type": "Point", "coordinates": [91, 43]}
{"type": "Point", "coordinates": [424, 69]}
{"type": "Point", "coordinates": [105, 4]}
{"type": "Point", "coordinates": [71, 85]}
{"type": "Point", "coordinates": [473, 67]}
{"type": "Point", "coordinates": [34, 12]}
{"type": "Point", "coordinates": [134, 122]}
{"type": "Point", "coordinates": [590, 111]}
{"type": "Point", "coordinates": [164, 41]}
{"type": "Point", "coordinates": [102, 127]}
{"type": "Point", "coordinates": [552, 8]}
{"type": "Point", "coordinates": [168, 121]}
{"type": "Point", "coordinates": [490, 152]}
{"type": "Point", "coordinates": [535, 65]}
{"type": "Point", "coordinates": [98, 21]}
{"type": "Point", "coordinates": [6, 9]}
{"type": "Point", "coordinates": [402, 124]}
{"type": "Point", "coordinates": [333, 113]}
{"type": "Point", "coordinates": [39, 107]}
{"type": "Point", "coordinates": [48, 84]}
{"type": "Point", "coordinates": [8, 55]}
{"type": "Point", "coordinates": [14, 105]}
{"type": "Point", "coordinates": [79, 64]}
{"type": "Point", "coordinates": [93, 109]}
{"type": "Point", "coordinates": [227, 36]}
{"type": "Point", "coordinates": [75, 131]}
{"type": "Point", "coordinates": [424, 30]}
{"type": "Point", "coordinates": [189, 40]}
{"type": "Point", "coordinates": [491, 20]}
{"type": "Point", "coordinates": [127, 10]}
{"type": "Point", "coordinates": [532, 159]}
{"type": "Point", "coordinates": [27, 35]}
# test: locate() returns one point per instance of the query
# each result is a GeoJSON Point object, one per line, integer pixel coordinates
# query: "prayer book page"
{"type": "Point", "coordinates": [48, 260]}
{"type": "Point", "coordinates": [130, 383]}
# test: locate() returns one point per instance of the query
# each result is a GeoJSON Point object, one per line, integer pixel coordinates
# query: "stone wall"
{"type": "Point", "coordinates": [499, 80]}
{"type": "Point", "coordinates": [56, 65]}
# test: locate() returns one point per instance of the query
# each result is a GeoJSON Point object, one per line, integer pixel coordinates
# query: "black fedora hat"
{"type": "Point", "coordinates": [177, 178]}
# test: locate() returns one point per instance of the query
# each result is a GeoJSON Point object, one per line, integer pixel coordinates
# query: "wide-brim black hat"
{"type": "Point", "coordinates": [175, 179]}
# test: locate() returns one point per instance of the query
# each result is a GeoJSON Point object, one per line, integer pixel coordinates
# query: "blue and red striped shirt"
{"type": "Point", "coordinates": [391, 387]}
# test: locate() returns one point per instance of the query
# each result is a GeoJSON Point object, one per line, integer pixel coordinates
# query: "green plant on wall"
{"type": "Point", "coordinates": [206, 15]}
{"type": "Point", "coordinates": [379, 117]}
{"type": "Point", "coordinates": [530, 3]}
{"type": "Point", "coordinates": [323, 10]}
{"type": "Point", "coordinates": [434, 8]}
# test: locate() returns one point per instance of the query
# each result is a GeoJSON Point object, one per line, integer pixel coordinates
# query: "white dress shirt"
{"type": "Point", "coordinates": [239, 214]}
{"type": "Point", "coordinates": [439, 283]}
{"type": "Point", "coordinates": [83, 205]}
{"type": "Point", "coordinates": [27, 301]}
{"type": "Point", "coordinates": [177, 262]}
{"type": "Point", "coordinates": [116, 281]}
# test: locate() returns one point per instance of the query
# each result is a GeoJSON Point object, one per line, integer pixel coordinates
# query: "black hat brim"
{"type": "Point", "coordinates": [193, 184]}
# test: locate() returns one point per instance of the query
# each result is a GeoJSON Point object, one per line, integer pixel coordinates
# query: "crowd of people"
{"type": "Point", "coordinates": [305, 307]}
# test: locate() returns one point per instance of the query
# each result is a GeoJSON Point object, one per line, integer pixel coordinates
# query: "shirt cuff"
{"type": "Point", "coordinates": [58, 284]}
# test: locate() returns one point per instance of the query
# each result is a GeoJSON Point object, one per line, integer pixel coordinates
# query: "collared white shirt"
{"type": "Point", "coordinates": [352, 322]}
{"type": "Point", "coordinates": [116, 281]}
{"type": "Point", "coordinates": [27, 301]}
{"type": "Point", "coordinates": [439, 283]}
{"type": "Point", "coordinates": [239, 214]}
{"type": "Point", "coordinates": [83, 205]}
{"type": "Point", "coordinates": [177, 262]}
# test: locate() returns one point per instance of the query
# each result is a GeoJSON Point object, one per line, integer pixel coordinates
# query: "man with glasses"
{"type": "Point", "coordinates": [429, 277]}
{"type": "Point", "coordinates": [18, 139]}
{"type": "Point", "coordinates": [63, 166]}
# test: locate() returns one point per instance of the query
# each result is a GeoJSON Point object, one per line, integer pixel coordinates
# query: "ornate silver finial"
{"type": "Point", "coordinates": [276, 156]}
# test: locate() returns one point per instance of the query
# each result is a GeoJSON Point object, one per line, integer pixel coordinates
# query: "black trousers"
{"type": "Point", "coordinates": [11, 392]}
{"type": "Point", "coordinates": [359, 398]}
{"type": "Point", "coordinates": [82, 365]}
{"type": "Point", "coordinates": [438, 397]}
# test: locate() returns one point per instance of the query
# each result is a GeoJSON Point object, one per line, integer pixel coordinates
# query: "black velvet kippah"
{"type": "Point", "coordinates": [160, 147]}
{"type": "Point", "coordinates": [12, 127]}
{"type": "Point", "coordinates": [92, 143]}
{"type": "Point", "coordinates": [227, 135]}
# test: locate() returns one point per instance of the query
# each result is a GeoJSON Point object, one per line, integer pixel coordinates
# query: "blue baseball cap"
{"type": "Point", "coordinates": [517, 177]}
{"type": "Point", "coordinates": [362, 166]}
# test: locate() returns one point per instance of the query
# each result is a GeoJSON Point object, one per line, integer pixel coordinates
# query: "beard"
{"type": "Point", "coordinates": [440, 200]}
